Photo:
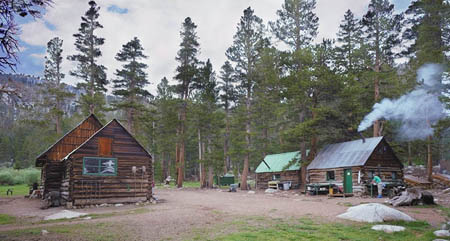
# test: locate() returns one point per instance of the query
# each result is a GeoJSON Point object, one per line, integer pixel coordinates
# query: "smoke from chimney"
{"type": "Point", "coordinates": [417, 110]}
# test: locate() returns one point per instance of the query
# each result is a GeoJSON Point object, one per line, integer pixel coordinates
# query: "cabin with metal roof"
{"type": "Point", "coordinates": [352, 165]}
{"type": "Point", "coordinates": [50, 161]}
{"type": "Point", "coordinates": [282, 167]}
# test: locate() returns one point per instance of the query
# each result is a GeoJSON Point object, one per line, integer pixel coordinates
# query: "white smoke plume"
{"type": "Point", "coordinates": [417, 110]}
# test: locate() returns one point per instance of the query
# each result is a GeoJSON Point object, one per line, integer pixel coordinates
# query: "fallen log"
{"type": "Point", "coordinates": [411, 197]}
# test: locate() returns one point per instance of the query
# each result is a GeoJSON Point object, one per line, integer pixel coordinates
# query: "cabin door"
{"type": "Point", "coordinates": [348, 182]}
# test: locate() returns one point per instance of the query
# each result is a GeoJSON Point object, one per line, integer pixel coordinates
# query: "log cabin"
{"type": "Point", "coordinates": [50, 161]}
{"type": "Point", "coordinates": [352, 165]}
{"type": "Point", "coordinates": [110, 166]}
{"type": "Point", "coordinates": [282, 167]}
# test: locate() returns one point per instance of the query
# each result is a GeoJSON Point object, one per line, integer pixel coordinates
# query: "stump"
{"type": "Point", "coordinates": [411, 197]}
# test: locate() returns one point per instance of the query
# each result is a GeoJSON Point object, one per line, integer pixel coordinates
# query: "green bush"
{"type": "Point", "coordinates": [9, 176]}
{"type": "Point", "coordinates": [6, 178]}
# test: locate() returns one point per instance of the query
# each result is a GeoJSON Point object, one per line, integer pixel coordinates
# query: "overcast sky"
{"type": "Point", "coordinates": [157, 24]}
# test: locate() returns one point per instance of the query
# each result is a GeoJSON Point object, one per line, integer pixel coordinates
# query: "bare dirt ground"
{"type": "Point", "coordinates": [183, 211]}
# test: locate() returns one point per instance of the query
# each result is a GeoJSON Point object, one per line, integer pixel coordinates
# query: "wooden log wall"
{"type": "Point", "coordinates": [52, 176]}
{"type": "Point", "coordinates": [126, 185]}
{"type": "Point", "coordinates": [263, 179]}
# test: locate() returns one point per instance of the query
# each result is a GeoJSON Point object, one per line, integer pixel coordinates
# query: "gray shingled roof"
{"type": "Point", "coordinates": [345, 154]}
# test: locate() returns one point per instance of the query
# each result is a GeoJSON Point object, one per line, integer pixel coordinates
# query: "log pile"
{"type": "Point", "coordinates": [411, 197]}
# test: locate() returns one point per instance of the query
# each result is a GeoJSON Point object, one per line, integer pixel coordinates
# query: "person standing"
{"type": "Point", "coordinates": [377, 180]}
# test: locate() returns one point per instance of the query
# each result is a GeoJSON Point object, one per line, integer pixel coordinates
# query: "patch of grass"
{"type": "Point", "coordinates": [18, 190]}
{"type": "Point", "coordinates": [96, 231]}
{"type": "Point", "coordinates": [445, 211]}
{"type": "Point", "coordinates": [264, 228]}
{"type": "Point", "coordinates": [186, 184]}
{"type": "Point", "coordinates": [345, 204]}
{"type": "Point", "coordinates": [6, 219]}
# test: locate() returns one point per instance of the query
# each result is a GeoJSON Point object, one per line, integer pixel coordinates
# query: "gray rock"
{"type": "Point", "coordinates": [251, 192]}
{"type": "Point", "coordinates": [44, 232]}
{"type": "Point", "coordinates": [439, 239]}
{"type": "Point", "coordinates": [442, 233]}
{"type": "Point", "coordinates": [374, 213]}
{"type": "Point", "coordinates": [388, 228]}
{"type": "Point", "coordinates": [270, 190]}
{"type": "Point", "coordinates": [119, 205]}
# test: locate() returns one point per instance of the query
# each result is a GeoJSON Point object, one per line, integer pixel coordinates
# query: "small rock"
{"type": "Point", "coordinates": [87, 218]}
{"type": "Point", "coordinates": [119, 205]}
{"type": "Point", "coordinates": [442, 233]}
{"type": "Point", "coordinates": [446, 191]}
{"type": "Point", "coordinates": [438, 239]}
{"type": "Point", "coordinates": [103, 205]}
{"type": "Point", "coordinates": [44, 232]}
{"type": "Point", "coordinates": [388, 228]}
{"type": "Point", "coordinates": [270, 190]}
{"type": "Point", "coordinates": [251, 192]}
{"type": "Point", "coordinates": [296, 194]}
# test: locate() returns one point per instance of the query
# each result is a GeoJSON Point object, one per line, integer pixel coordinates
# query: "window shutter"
{"type": "Point", "coordinates": [104, 146]}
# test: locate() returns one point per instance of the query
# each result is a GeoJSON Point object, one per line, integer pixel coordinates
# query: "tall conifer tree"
{"type": "Point", "coordinates": [186, 74]}
{"type": "Point", "coordinates": [92, 73]}
{"type": "Point", "coordinates": [247, 43]}
{"type": "Point", "coordinates": [54, 90]}
{"type": "Point", "coordinates": [131, 81]}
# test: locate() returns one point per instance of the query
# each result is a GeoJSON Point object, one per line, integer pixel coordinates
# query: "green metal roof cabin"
{"type": "Point", "coordinates": [283, 167]}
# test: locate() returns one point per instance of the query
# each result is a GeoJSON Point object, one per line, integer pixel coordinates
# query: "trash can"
{"type": "Point", "coordinates": [286, 186]}
{"type": "Point", "coordinates": [225, 180]}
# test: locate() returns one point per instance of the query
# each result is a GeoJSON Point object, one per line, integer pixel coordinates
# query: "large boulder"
{"type": "Point", "coordinates": [442, 233]}
{"type": "Point", "coordinates": [374, 213]}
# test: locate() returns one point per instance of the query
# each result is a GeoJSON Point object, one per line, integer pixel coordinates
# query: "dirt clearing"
{"type": "Point", "coordinates": [184, 213]}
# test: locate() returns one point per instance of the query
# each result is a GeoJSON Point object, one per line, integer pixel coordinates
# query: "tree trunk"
{"type": "Point", "coordinates": [247, 140]}
{"type": "Point", "coordinates": [210, 165]}
{"type": "Point", "coordinates": [182, 144]}
{"type": "Point", "coordinates": [303, 157]}
{"type": "Point", "coordinates": [429, 160]}
{"type": "Point", "coordinates": [226, 142]}
{"type": "Point", "coordinates": [130, 121]}
{"type": "Point", "coordinates": [200, 157]}
{"type": "Point", "coordinates": [376, 124]}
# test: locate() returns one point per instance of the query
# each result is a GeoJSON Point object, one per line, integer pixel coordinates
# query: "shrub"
{"type": "Point", "coordinates": [9, 176]}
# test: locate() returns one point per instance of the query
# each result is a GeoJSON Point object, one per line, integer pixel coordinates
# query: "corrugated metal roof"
{"type": "Point", "coordinates": [277, 162]}
{"type": "Point", "coordinates": [345, 154]}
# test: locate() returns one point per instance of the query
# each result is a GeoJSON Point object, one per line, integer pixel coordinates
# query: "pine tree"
{"type": "Point", "coordinates": [350, 39]}
{"type": "Point", "coordinates": [228, 98]}
{"type": "Point", "coordinates": [93, 74]}
{"type": "Point", "coordinates": [247, 44]}
{"type": "Point", "coordinates": [297, 24]}
{"type": "Point", "coordinates": [131, 81]}
{"type": "Point", "coordinates": [382, 30]}
{"type": "Point", "coordinates": [166, 122]}
{"type": "Point", "coordinates": [186, 74]}
{"type": "Point", "coordinates": [54, 91]}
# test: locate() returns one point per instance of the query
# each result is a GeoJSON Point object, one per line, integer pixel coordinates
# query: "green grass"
{"type": "Point", "coordinates": [263, 228]}
{"type": "Point", "coordinates": [6, 219]}
{"type": "Point", "coordinates": [96, 231]}
{"type": "Point", "coordinates": [189, 184]}
{"type": "Point", "coordinates": [445, 211]}
{"type": "Point", "coordinates": [18, 190]}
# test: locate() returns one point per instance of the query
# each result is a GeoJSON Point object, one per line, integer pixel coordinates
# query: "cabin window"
{"type": "Point", "coordinates": [330, 175]}
{"type": "Point", "coordinates": [104, 146]}
{"type": "Point", "coordinates": [394, 175]}
{"type": "Point", "coordinates": [276, 177]}
{"type": "Point", "coordinates": [100, 166]}
{"type": "Point", "coordinates": [371, 174]}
